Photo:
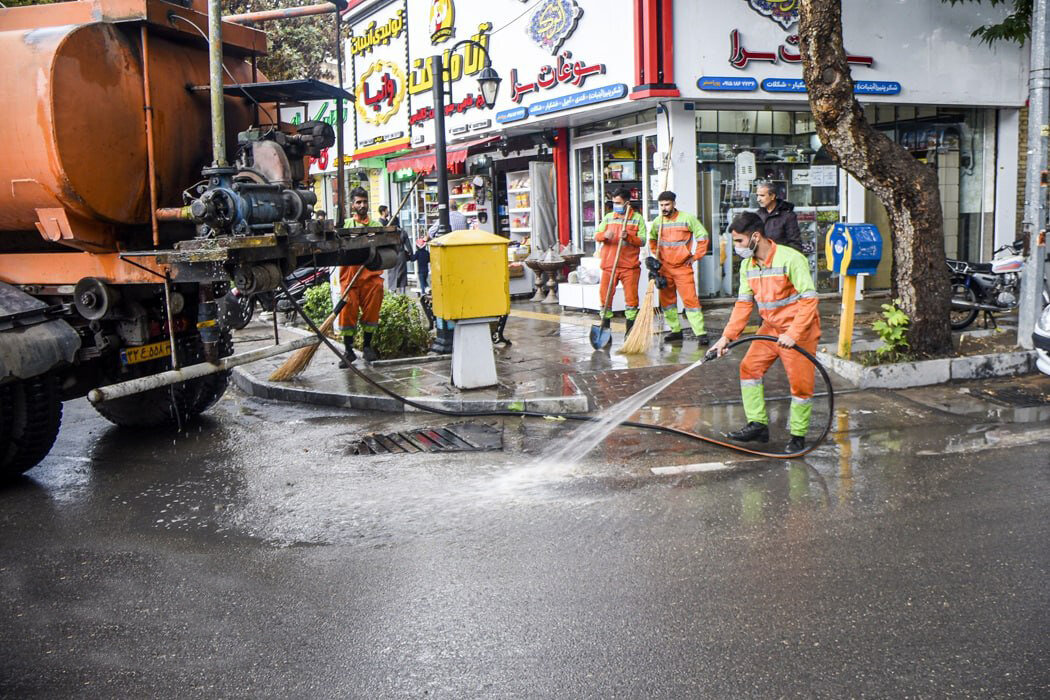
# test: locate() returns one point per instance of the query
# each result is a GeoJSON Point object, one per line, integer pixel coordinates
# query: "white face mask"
{"type": "Point", "coordinates": [747, 251]}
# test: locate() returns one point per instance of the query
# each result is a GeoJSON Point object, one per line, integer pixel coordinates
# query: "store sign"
{"type": "Point", "coordinates": [740, 57]}
{"type": "Point", "coordinates": [456, 65]}
{"type": "Point", "coordinates": [380, 92]}
{"type": "Point", "coordinates": [322, 111]}
{"type": "Point", "coordinates": [378, 46]}
{"type": "Point", "coordinates": [478, 126]}
{"type": "Point", "coordinates": [562, 72]}
{"type": "Point", "coordinates": [512, 115]}
{"type": "Point", "coordinates": [424, 114]}
{"type": "Point", "coordinates": [727, 84]}
{"type": "Point", "coordinates": [377, 35]}
{"type": "Point", "coordinates": [442, 21]}
{"type": "Point", "coordinates": [587, 97]}
{"type": "Point", "coordinates": [552, 23]}
{"type": "Point", "coordinates": [861, 87]}
{"type": "Point", "coordinates": [783, 12]}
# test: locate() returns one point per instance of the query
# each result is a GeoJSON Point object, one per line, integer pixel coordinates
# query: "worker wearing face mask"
{"type": "Point", "coordinates": [614, 227]}
{"type": "Point", "coordinates": [777, 279]}
{"type": "Point", "coordinates": [677, 240]}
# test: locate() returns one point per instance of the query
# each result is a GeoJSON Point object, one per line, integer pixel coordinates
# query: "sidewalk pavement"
{"type": "Point", "coordinates": [549, 367]}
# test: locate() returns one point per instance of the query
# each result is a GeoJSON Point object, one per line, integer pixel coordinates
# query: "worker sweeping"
{"type": "Point", "coordinates": [778, 280]}
{"type": "Point", "coordinates": [627, 270]}
{"type": "Point", "coordinates": [366, 293]}
{"type": "Point", "coordinates": [677, 240]}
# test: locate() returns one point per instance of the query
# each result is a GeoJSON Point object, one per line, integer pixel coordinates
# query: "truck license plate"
{"type": "Point", "coordinates": [145, 353]}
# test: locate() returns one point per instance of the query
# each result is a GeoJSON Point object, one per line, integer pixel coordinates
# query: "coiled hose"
{"type": "Point", "coordinates": [584, 418]}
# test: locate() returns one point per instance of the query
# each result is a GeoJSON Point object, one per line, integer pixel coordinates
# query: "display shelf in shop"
{"type": "Point", "coordinates": [520, 209]}
{"type": "Point", "coordinates": [518, 190]}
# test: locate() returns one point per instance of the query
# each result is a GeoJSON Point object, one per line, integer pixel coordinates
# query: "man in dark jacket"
{"type": "Point", "coordinates": [781, 225]}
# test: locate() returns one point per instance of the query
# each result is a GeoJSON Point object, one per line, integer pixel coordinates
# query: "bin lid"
{"type": "Point", "coordinates": [469, 237]}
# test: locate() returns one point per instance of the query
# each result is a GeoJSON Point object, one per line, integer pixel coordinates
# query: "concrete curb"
{"type": "Point", "coordinates": [277, 391]}
{"type": "Point", "coordinates": [904, 375]}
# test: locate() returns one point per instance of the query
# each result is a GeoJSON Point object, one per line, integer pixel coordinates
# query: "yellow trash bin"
{"type": "Point", "coordinates": [469, 275]}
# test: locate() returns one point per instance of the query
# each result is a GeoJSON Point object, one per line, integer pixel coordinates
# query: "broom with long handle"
{"type": "Point", "coordinates": [640, 339]}
{"type": "Point", "coordinates": [300, 360]}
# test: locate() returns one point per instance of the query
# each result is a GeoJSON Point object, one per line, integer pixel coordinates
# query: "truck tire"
{"type": "Point", "coordinates": [171, 405]}
{"type": "Point", "coordinates": [30, 415]}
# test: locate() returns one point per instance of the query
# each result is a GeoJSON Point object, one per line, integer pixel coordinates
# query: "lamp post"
{"type": "Point", "coordinates": [488, 83]}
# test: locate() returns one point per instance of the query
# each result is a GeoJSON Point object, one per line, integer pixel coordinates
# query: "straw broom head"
{"type": "Point", "coordinates": [301, 358]}
{"type": "Point", "coordinates": [640, 339]}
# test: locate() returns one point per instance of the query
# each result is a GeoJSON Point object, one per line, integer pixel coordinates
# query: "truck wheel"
{"type": "Point", "coordinates": [170, 405]}
{"type": "Point", "coordinates": [30, 415]}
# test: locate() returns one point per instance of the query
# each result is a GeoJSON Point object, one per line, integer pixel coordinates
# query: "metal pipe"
{"type": "Point", "coordinates": [959, 304]}
{"type": "Point", "coordinates": [173, 214]}
{"type": "Point", "coordinates": [440, 145]}
{"type": "Point", "coordinates": [1035, 206]}
{"type": "Point", "coordinates": [203, 369]}
{"type": "Point", "coordinates": [218, 111]}
{"type": "Point", "coordinates": [150, 158]}
{"type": "Point", "coordinates": [250, 18]}
{"type": "Point", "coordinates": [340, 144]}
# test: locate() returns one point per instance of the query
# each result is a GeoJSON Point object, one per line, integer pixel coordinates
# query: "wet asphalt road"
{"type": "Point", "coordinates": [254, 556]}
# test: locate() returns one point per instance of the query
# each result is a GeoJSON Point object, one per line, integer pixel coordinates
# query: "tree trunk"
{"type": "Point", "coordinates": [905, 186]}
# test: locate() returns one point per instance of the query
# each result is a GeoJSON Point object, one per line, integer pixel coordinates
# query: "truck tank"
{"type": "Point", "coordinates": [121, 228]}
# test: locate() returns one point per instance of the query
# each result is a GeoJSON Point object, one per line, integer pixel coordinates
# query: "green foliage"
{"type": "Point", "coordinates": [298, 47]}
{"type": "Point", "coordinates": [317, 302]}
{"type": "Point", "coordinates": [892, 329]}
{"type": "Point", "coordinates": [402, 328]}
{"type": "Point", "coordinates": [1016, 26]}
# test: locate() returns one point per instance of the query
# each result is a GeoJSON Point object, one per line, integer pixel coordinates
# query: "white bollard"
{"type": "Point", "coordinates": [473, 358]}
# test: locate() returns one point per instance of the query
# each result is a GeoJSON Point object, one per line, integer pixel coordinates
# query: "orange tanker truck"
{"type": "Point", "coordinates": [145, 167]}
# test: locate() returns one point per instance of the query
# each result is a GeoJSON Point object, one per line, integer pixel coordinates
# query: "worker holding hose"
{"type": "Point", "coordinates": [366, 294]}
{"type": "Point", "coordinates": [776, 279]}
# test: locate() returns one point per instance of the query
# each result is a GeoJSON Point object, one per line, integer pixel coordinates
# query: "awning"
{"type": "Point", "coordinates": [423, 160]}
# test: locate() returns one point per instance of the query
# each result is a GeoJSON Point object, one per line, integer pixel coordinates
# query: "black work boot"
{"type": "Point", "coordinates": [368, 353]}
{"type": "Point", "coordinates": [673, 336]}
{"type": "Point", "coordinates": [795, 445]}
{"type": "Point", "coordinates": [702, 339]}
{"type": "Point", "coordinates": [630, 325]}
{"type": "Point", "coordinates": [348, 349]}
{"type": "Point", "coordinates": [442, 344]}
{"type": "Point", "coordinates": [752, 432]}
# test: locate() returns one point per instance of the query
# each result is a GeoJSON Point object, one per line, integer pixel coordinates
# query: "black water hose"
{"type": "Point", "coordinates": [584, 418]}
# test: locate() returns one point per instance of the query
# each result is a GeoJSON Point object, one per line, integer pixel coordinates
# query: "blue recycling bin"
{"type": "Point", "coordinates": [853, 249]}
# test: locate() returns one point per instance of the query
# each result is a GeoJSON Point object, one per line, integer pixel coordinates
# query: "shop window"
{"type": "Point", "coordinates": [644, 117]}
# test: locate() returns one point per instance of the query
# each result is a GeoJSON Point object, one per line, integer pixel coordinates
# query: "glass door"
{"type": "Point", "coordinates": [589, 211]}
{"type": "Point", "coordinates": [653, 186]}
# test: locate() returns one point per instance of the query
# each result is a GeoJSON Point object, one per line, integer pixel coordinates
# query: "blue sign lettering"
{"type": "Point", "coordinates": [784, 85]}
{"type": "Point", "coordinates": [727, 84]}
{"type": "Point", "coordinates": [876, 87]}
{"type": "Point", "coordinates": [587, 97]}
{"type": "Point", "coordinates": [512, 115]}
{"type": "Point", "coordinates": [861, 87]}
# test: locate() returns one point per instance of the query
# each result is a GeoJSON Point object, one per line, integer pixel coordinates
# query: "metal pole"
{"type": "Point", "coordinates": [203, 369]}
{"type": "Point", "coordinates": [440, 156]}
{"type": "Point", "coordinates": [218, 112]}
{"type": "Point", "coordinates": [340, 132]}
{"type": "Point", "coordinates": [1035, 194]}
{"type": "Point", "coordinates": [250, 18]}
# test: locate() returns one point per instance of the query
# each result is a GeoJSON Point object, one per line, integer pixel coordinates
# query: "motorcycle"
{"type": "Point", "coordinates": [238, 308]}
{"type": "Point", "coordinates": [993, 287]}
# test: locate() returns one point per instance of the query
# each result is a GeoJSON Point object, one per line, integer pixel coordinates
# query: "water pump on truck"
{"type": "Point", "coordinates": [122, 223]}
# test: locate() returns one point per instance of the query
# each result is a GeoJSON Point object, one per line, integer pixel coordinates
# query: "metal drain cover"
{"type": "Point", "coordinates": [462, 437]}
{"type": "Point", "coordinates": [1018, 397]}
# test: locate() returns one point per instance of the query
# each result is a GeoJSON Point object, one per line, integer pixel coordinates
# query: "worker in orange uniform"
{"type": "Point", "coordinates": [628, 269]}
{"type": "Point", "coordinates": [366, 296]}
{"type": "Point", "coordinates": [777, 279]}
{"type": "Point", "coordinates": [672, 236]}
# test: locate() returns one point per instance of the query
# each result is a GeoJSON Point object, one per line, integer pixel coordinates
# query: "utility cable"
{"type": "Point", "coordinates": [584, 418]}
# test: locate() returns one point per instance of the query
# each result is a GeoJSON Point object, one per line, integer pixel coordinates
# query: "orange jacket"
{"type": "Point", "coordinates": [783, 289]}
{"type": "Point", "coordinates": [676, 234]}
{"type": "Point", "coordinates": [608, 234]}
{"type": "Point", "coordinates": [348, 271]}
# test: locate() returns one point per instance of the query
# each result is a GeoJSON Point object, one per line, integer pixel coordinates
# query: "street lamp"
{"type": "Point", "coordinates": [488, 83]}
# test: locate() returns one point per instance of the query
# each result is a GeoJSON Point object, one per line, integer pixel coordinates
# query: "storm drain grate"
{"type": "Point", "coordinates": [1018, 397]}
{"type": "Point", "coordinates": [462, 437]}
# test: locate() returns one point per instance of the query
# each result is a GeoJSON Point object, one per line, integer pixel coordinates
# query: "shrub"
{"type": "Point", "coordinates": [317, 302]}
{"type": "Point", "coordinates": [892, 329]}
{"type": "Point", "coordinates": [402, 330]}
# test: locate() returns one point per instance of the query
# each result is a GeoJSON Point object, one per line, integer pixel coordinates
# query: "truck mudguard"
{"type": "Point", "coordinates": [34, 348]}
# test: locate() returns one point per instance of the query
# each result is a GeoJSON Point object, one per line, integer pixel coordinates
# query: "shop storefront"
{"type": "Point", "coordinates": [704, 98]}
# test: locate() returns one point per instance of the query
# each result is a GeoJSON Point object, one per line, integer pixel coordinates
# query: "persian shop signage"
{"type": "Point", "coordinates": [559, 104]}
{"type": "Point", "coordinates": [739, 56]}
{"type": "Point", "coordinates": [380, 92]}
{"type": "Point", "coordinates": [424, 114]}
{"type": "Point", "coordinates": [552, 23]}
{"type": "Point", "coordinates": [375, 35]}
{"type": "Point", "coordinates": [457, 65]}
{"type": "Point", "coordinates": [783, 12]}
{"type": "Point", "coordinates": [796, 85]}
{"type": "Point", "coordinates": [564, 71]}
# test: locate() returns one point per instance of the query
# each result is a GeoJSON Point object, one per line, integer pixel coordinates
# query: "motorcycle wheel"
{"type": "Point", "coordinates": [961, 318]}
{"type": "Point", "coordinates": [238, 310]}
